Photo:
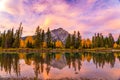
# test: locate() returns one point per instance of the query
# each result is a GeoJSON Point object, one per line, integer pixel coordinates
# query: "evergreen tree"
{"type": "Point", "coordinates": [12, 37]}
{"type": "Point", "coordinates": [106, 43]}
{"type": "Point", "coordinates": [0, 39]}
{"type": "Point", "coordinates": [9, 38]}
{"type": "Point", "coordinates": [42, 37]}
{"type": "Point", "coordinates": [7, 42]}
{"type": "Point", "coordinates": [78, 40]}
{"type": "Point", "coordinates": [118, 40]}
{"type": "Point", "coordinates": [17, 37]}
{"type": "Point", "coordinates": [53, 45]}
{"type": "Point", "coordinates": [49, 38]}
{"type": "Point", "coordinates": [110, 40]}
{"type": "Point", "coordinates": [73, 42]}
{"type": "Point", "coordinates": [29, 44]}
{"type": "Point", "coordinates": [68, 42]}
{"type": "Point", "coordinates": [93, 42]}
{"type": "Point", "coordinates": [101, 41]}
{"type": "Point", "coordinates": [98, 40]}
{"type": "Point", "coordinates": [38, 37]}
{"type": "Point", "coordinates": [3, 39]}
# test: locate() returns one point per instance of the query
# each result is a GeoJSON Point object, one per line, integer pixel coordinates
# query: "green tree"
{"type": "Point", "coordinates": [93, 42]}
{"type": "Point", "coordinates": [9, 38]}
{"type": "Point", "coordinates": [7, 42]}
{"type": "Point", "coordinates": [38, 37]}
{"type": "Point", "coordinates": [42, 37]}
{"type": "Point", "coordinates": [17, 37]}
{"type": "Point", "coordinates": [101, 40]}
{"type": "Point", "coordinates": [106, 43]}
{"type": "Point", "coordinates": [78, 40]}
{"type": "Point", "coordinates": [118, 40]}
{"type": "Point", "coordinates": [29, 44]}
{"type": "Point", "coordinates": [98, 40]}
{"type": "Point", "coordinates": [49, 38]}
{"type": "Point", "coordinates": [12, 37]}
{"type": "Point", "coordinates": [0, 39]}
{"type": "Point", "coordinates": [73, 42]}
{"type": "Point", "coordinates": [110, 40]}
{"type": "Point", "coordinates": [68, 42]}
{"type": "Point", "coordinates": [3, 39]}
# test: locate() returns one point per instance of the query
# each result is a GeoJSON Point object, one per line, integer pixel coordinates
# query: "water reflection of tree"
{"type": "Point", "coordinates": [10, 62]}
{"type": "Point", "coordinates": [74, 60]}
{"type": "Point", "coordinates": [37, 62]}
{"type": "Point", "coordinates": [100, 59]}
{"type": "Point", "coordinates": [39, 59]}
{"type": "Point", "coordinates": [118, 56]}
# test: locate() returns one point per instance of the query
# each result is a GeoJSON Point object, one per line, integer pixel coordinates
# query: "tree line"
{"type": "Point", "coordinates": [98, 41]}
{"type": "Point", "coordinates": [11, 39]}
{"type": "Point", "coordinates": [41, 39]}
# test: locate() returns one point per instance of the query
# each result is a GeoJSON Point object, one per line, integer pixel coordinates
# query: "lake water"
{"type": "Point", "coordinates": [78, 66]}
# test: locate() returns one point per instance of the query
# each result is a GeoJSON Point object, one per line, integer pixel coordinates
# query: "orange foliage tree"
{"type": "Point", "coordinates": [23, 43]}
{"type": "Point", "coordinates": [86, 43]}
{"type": "Point", "coordinates": [115, 45]}
{"type": "Point", "coordinates": [58, 44]}
{"type": "Point", "coordinates": [44, 45]}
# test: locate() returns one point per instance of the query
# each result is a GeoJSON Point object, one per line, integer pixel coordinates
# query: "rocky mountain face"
{"type": "Point", "coordinates": [59, 34]}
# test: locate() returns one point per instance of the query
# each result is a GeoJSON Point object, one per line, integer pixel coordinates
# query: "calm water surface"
{"type": "Point", "coordinates": [105, 66]}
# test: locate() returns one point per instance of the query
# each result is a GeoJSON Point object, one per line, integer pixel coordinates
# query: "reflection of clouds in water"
{"type": "Point", "coordinates": [26, 70]}
{"type": "Point", "coordinates": [3, 74]}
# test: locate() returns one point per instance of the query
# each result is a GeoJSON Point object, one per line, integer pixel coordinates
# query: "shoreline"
{"type": "Point", "coordinates": [29, 50]}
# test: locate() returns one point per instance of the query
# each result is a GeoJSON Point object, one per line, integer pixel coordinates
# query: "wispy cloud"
{"type": "Point", "coordinates": [83, 15]}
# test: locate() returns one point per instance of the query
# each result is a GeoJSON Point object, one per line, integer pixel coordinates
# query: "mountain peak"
{"type": "Point", "coordinates": [60, 29]}
{"type": "Point", "coordinates": [59, 34]}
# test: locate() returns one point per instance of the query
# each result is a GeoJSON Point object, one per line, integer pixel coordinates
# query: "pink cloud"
{"type": "Point", "coordinates": [81, 15]}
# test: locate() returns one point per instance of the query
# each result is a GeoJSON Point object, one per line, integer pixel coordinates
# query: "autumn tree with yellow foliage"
{"type": "Point", "coordinates": [86, 43]}
{"type": "Point", "coordinates": [27, 43]}
{"type": "Point", "coordinates": [58, 44]}
{"type": "Point", "coordinates": [115, 45]}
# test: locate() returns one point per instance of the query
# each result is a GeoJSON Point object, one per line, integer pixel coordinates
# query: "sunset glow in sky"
{"type": "Point", "coordinates": [87, 16]}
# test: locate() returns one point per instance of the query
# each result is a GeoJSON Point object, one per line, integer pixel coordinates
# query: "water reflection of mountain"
{"type": "Point", "coordinates": [58, 63]}
{"type": "Point", "coordinates": [43, 62]}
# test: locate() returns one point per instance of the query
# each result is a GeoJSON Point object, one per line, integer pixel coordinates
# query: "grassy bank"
{"type": "Point", "coordinates": [65, 78]}
{"type": "Point", "coordinates": [28, 50]}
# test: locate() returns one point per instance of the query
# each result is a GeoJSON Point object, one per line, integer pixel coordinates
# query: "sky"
{"type": "Point", "coordinates": [86, 16]}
